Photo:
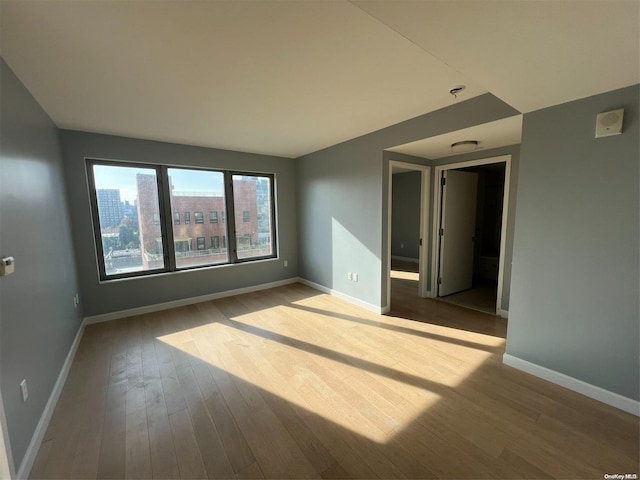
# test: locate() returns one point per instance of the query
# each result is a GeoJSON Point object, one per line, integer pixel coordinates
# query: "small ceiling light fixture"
{"type": "Point", "coordinates": [456, 90]}
{"type": "Point", "coordinates": [464, 146]}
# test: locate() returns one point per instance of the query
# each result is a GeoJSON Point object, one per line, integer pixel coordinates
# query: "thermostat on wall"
{"type": "Point", "coordinates": [7, 265]}
{"type": "Point", "coordinates": [609, 123]}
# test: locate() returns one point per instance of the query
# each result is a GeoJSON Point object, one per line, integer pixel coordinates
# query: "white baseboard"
{"type": "Point", "coordinates": [405, 259]}
{"type": "Point", "coordinates": [335, 293]}
{"type": "Point", "coordinates": [45, 418]}
{"type": "Point", "coordinates": [605, 396]}
{"type": "Point", "coordinates": [105, 317]}
{"type": "Point", "coordinates": [502, 313]}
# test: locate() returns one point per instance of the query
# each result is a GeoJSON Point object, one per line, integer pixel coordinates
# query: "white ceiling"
{"type": "Point", "coordinates": [291, 77]}
{"type": "Point", "coordinates": [500, 133]}
{"type": "Point", "coordinates": [531, 54]}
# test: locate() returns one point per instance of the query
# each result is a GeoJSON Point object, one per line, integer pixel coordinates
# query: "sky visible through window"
{"type": "Point", "coordinates": [124, 179]}
{"type": "Point", "coordinates": [197, 182]}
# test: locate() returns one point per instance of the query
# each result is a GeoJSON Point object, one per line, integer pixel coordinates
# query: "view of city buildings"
{"type": "Point", "coordinates": [132, 235]}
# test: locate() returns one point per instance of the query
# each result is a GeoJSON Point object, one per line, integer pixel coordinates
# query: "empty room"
{"type": "Point", "coordinates": [328, 239]}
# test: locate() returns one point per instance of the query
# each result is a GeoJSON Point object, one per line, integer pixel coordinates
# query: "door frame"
{"type": "Point", "coordinates": [6, 459]}
{"type": "Point", "coordinates": [435, 237]}
{"type": "Point", "coordinates": [423, 260]}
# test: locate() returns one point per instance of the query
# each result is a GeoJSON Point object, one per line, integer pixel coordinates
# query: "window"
{"type": "Point", "coordinates": [254, 215]}
{"type": "Point", "coordinates": [127, 244]}
{"type": "Point", "coordinates": [137, 210]}
{"type": "Point", "coordinates": [200, 191]}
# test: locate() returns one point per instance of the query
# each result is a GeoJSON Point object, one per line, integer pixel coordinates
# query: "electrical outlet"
{"type": "Point", "coordinates": [355, 277]}
{"type": "Point", "coordinates": [24, 390]}
{"type": "Point", "coordinates": [286, 263]}
{"type": "Point", "coordinates": [402, 245]}
{"type": "Point", "coordinates": [349, 276]}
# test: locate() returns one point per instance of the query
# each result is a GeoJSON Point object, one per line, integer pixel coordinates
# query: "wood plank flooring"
{"type": "Point", "coordinates": [291, 383]}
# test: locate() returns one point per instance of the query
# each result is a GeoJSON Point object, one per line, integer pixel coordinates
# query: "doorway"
{"type": "Point", "coordinates": [407, 249]}
{"type": "Point", "coordinates": [470, 212]}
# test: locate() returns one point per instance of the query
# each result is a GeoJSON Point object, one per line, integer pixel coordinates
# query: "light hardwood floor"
{"type": "Point", "coordinates": [291, 383]}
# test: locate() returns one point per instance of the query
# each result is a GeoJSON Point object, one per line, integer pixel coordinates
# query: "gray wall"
{"type": "Point", "coordinates": [116, 295]}
{"type": "Point", "coordinates": [405, 215]}
{"type": "Point", "coordinates": [574, 290]}
{"type": "Point", "coordinates": [38, 321]}
{"type": "Point", "coordinates": [342, 199]}
{"type": "Point", "coordinates": [514, 151]}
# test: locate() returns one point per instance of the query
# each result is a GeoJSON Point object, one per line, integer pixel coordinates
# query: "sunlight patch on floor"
{"type": "Point", "coordinates": [336, 363]}
{"type": "Point", "coordinates": [405, 275]}
{"type": "Point", "coordinates": [349, 396]}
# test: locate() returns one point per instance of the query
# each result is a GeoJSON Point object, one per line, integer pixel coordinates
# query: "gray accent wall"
{"type": "Point", "coordinates": [117, 295]}
{"type": "Point", "coordinates": [342, 199]}
{"type": "Point", "coordinates": [38, 320]}
{"type": "Point", "coordinates": [405, 215]}
{"type": "Point", "coordinates": [575, 283]}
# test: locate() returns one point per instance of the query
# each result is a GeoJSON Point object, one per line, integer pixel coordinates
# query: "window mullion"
{"type": "Point", "coordinates": [164, 199]}
{"type": "Point", "coordinates": [273, 233]}
{"type": "Point", "coordinates": [232, 246]}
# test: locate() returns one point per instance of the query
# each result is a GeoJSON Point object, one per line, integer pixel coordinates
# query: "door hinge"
{"type": "Point", "coordinates": [420, 242]}
{"type": "Point", "coordinates": [439, 280]}
{"type": "Point", "coordinates": [443, 181]}
{"type": "Point", "coordinates": [441, 232]}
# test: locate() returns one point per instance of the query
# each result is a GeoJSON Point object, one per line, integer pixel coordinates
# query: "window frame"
{"type": "Point", "coordinates": [231, 217]}
{"type": "Point", "coordinates": [95, 217]}
{"type": "Point", "coordinates": [198, 220]}
{"type": "Point", "coordinates": [166, 218]}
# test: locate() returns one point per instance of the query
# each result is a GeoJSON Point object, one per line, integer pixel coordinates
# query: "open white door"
{"type": "Point", "coordinates": [457, 231]}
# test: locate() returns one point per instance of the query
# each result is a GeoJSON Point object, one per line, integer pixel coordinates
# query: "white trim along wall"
{"type": "Point", "coordinates": [605, 396]}
{"type": "Point", "coordinates": [435, 238]}
{"type": "Point", "coordinates": [45, 418]}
